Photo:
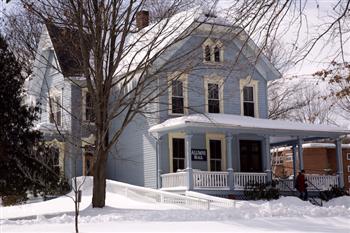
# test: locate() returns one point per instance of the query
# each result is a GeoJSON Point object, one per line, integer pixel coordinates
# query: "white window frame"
{"type": "Point", "coordinates": [249, 82]}
{"type": "Point", "coordinates": [209, 42]}
{"type": "Point", "coordinates": [214, 80]}
{"type": "Point", "coordinates": [53, 94]}
{"type": "Point", "coordinates": [84, 91]}
{"type": "Point", "coordinates": [171, 136]}
{"type": "Point", "coordinates": [348, 156]}
{"type": "Point", "coordinates": [221, 137]}
{"type": "Point", "coordinates": [184, 79]}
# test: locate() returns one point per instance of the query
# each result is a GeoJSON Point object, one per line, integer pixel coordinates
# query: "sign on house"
{"type": "Point", "coordinates": [199, 155]}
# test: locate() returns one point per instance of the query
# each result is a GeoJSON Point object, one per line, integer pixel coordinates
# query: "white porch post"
{"type": "Point", "coordinates": [159, 170]}
{"type": "Point", "coordinates": [268, 160]}
{"type": "Point", "coordinates": [339, 158]}
{"type": "Point", "coordinates": [294, 149]}
{"type": "Point", "coordinates": [229, 160]}
{"type": "Point", "coordinates": [188, 155]}
{"type": "Point", "coordinates": [300, 152]}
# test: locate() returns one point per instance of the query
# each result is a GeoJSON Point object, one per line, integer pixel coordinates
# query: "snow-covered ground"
{"type": "Point", "coordinates": [137, 213]}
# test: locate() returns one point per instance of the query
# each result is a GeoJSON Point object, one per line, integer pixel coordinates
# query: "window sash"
{"type": "Point", "coordinates": [216, 54]}
{"type": "Point", "coordinates": [213, 98]}
{"type": "Point", "coordinates": [178, 153]}
{"type": "Point", "coordinates": [55, 110]}
{"type": "Point", "coordinates": [89, 111]}
{"type": "Point", "coordinates": [249, 109]}
{"type": "Point", "coordinates": [207, 53]}
{"type": "Point", "coordinates": [177, 98]}
{"type": "Point", "coordinates": [248, 94]}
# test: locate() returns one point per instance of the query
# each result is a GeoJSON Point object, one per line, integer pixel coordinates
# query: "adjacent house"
{"type": "Point", "coordinates": [319, 159]}
{"type": "Point", "coordinates": [209, 131]}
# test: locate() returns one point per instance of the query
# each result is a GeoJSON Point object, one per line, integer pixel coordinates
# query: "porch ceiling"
{"type": "Point", "coordinates": [201, 123]}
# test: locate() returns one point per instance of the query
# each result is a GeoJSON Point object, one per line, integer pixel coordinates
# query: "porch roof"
{"type": "Point", "coordinates": [211, 122]}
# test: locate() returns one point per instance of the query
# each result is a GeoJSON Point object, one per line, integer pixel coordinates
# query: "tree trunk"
{"type": "Point", "coordinates": [99, 183]}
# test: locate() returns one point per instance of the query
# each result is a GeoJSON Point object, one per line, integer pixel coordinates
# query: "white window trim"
{"type": "Point", "coordinates": [215, 80]}
{"type": "Point", "coordinates": [53, 93]}
{"type": "Point", "coordinates": [221, 137]}
{"type": "Point", "coordinates": [184, 79]}
{"type": "Point", "coordinates": [84, 91]}
{"type": "Point", "coordinates": [209, 42]}
{"type": "Point", "coordinates": [171, 136]}
{"type": "Point", "coordinates": [248, 82]}
{"type": "Point", "coordinates": [348, 156]}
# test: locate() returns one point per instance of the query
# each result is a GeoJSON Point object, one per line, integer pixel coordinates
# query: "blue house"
{"type": "Point", "coordinates": [208, 130]}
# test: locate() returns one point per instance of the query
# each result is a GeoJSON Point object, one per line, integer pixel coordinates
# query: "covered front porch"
{"type": "Point", "coordinates": [220, 153]}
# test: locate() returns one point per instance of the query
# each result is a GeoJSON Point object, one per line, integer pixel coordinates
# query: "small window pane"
{"type": "Point", "coordinates": [178, 154]}
{"type": "Point", "coordinates": [207, 53]}
{"type": "Point", "coordinates": [178, 105]}
{"type": "Point", "coordinates": [248, 94]}
{"type": "Point", "coordinates": [213, 91]}
{"type": "Point", "coordinates": [215, 149]}
{"type": "Point", "coordinates": [177, 88]}
{"type": "Point", "coordinates": [213, 106]}
{"type": "Point", "coordinates": [217, 54]}
{"type": "Point", "coordinates": [248, 109]}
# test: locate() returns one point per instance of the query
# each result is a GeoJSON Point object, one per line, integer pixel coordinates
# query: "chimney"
{"type": "Point", "coordinates": [142, 19]}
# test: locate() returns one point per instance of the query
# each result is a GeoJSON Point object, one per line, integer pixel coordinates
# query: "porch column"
{"type": "Point", "coordinates": [294, 150]}
{"type": "Point", "coordinates": [300, 152]}
{"type": "Point", "coordinates": [339, 157]}
{"type": "Point", "coordinates": [229, 160]}
{"type": "Point", "coordinates": [159, 170]}
{"type": "Point", "coordinates": [268, 160]}
{"type": "Point", "coordinates": [188, 148]}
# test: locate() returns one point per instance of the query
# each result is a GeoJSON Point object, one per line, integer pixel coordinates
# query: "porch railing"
{"type": "Point", "coordinates": [173, 180]}
{"type": "Point", "coordinates": [204, 179]}
{"type": "Point", "coordinates": [242, 178]}
{"type": "Point", "coordinates": [322, 182]}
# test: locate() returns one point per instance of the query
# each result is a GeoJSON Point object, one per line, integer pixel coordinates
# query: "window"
{"type": "Point", "coordinates": [214, 94]}
{"type": "Point", "coordinates": [88, 110]}
{"type": "Point", "coordinates": [348, 168]}
{"type": "Point", "coordinates": [55, 109]}
{"type": "Point", "coordinates": [207, 53]}
{"type": "Point", "coordinates": [215, 155]}
{"type": "Point", "coordinates": [249, 101]}
{"type": "Point", "coordinates": [177, 98]}
{"type": "Point", "coordinates": [178, 147]}
{"type": "Point", "coordinates": [217, 54]}
{"type": "Point", "coordinates": [349, 179]}
{"type": "Point", "coordinates": [213, 51]}
{"type": "Point", "coordinates": [178, 94]}
{"type": "Point", "coordinates": [213, 98]}
{"type": "Point", "coordinates": [348, 156]}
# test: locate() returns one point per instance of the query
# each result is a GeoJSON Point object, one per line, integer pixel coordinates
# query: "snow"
{"type": "Point", "coordinates": [140, 214]}
{"type": "Point", "coordinates": [244, 122]}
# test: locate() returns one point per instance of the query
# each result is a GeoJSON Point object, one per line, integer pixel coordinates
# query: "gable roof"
{"type": "Point", "coordinates": [67, 49]}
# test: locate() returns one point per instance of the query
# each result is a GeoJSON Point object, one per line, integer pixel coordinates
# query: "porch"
{"type": "Point", "coordinates": [237, 167]}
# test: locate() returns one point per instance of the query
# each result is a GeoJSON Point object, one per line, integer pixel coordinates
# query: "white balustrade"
{"type": "Point", "coordinates": [243, 178]}
{"type": "Point", "coordinates": [172, 180]}
{"type": "Point", "coordinates": [285, 185]}
{"type": "Point", "coordinates": [210, 180]}
{"type": "Point", "coordinates": [322, 182]}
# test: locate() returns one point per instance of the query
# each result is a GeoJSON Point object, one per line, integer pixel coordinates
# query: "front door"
{"type": "Point", "coordinates": [250, 154]}
{"type": "Point", "coordinates": [215, 155]}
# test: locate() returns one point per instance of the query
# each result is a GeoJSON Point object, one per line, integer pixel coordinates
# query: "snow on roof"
{"type": "Point", "coordinates": [228, 121]}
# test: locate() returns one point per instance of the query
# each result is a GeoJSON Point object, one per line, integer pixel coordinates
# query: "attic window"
{"type": "Point", "coordinates": [216, 54]}
{"type": "Point", "coordinates": [207, 53]}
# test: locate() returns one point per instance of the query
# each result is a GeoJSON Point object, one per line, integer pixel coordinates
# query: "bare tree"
{"type": "Point", "coordinates": [117, 56]}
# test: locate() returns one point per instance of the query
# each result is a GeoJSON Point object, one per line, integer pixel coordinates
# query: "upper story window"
{"type": "Point", "coordinates": [213, 51]}
{"type": "Point", "coordinates": [88, 111]}
{"type": "Point", "coordinates": [214, 94]}
{"type": "Point", "coordinates": [348, 156]}
{"type": "Point", "coordinates": [178, 94]}
{"type": "Point", "coordinates": [54, 108]}
{"type": "Point", "coordinates": [249, 101]}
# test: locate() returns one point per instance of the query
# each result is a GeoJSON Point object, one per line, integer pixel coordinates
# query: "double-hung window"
{"type": "Point", "coordinates": [177, 97]}
{"type": "Point", "coordinates": [88, 113]}
{"type": "Point", "coordinates": [55, 109]}
{"type": "Point", "coordinates": [177, 94]}
{"type": "Point", "coordinates": [249, 101]}
{"type": "Point", "coordinates": [213, 94]}
{"type": "Point", "coordinates": [213, 98]}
